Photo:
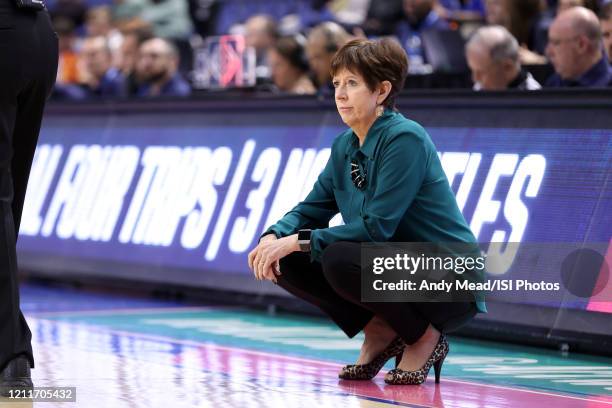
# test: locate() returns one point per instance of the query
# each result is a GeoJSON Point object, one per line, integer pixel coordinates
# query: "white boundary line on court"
{"type": "Point", "coordinates": [299, 359]}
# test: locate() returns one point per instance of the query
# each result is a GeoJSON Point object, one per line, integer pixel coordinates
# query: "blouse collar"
{"type": "Point", "coordinates": [371, 140]}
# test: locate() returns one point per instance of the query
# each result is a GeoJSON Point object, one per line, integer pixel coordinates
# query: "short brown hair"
{"type": "Point", "coordinates": [376, 61]}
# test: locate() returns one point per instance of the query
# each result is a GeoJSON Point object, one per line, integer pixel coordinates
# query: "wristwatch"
{"type": "Point", "coordinates": [304, 240]}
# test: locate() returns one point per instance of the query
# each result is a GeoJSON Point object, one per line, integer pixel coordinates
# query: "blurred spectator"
{"type": "Point", "coordinates": [99, 23]}
{"type": "Point", "coordinates": [261, 33]}
{"type": "Point", "coordinates": [203, 14]}
{"type": "Point", "coordinates": [563, 5]}
{"type": "Point", "coordinates": [313, 12]}
{"type": "Point", "coordinates": [289, 66]}
{"type": "Point", "coordinates": [323, 42]}
{"type": "Point", "coordinates": [67, 72]}
{"type": "Point", "coordinates": [461, 11]}
{"type": "Point", "coordinates": [73, 10]}
{"type": "Point", "coordinates": [157, 68]}
{"type": "Point", "coordinates": [420, 16]}
{"type": "Point", "coordinates": [128, 56]}
{"type": "Point", "coordinates": [100, 77]}
{"type": "Point", "coordinates": [493, 57]}
{"type": "Point", "coordinates": [168, 18]}
{"type": "Point", "coordinates": [496, 12]}
{"type": "Point", "coordinates": [525, 21]}
{"type": "Point", "coordinates": [349, 13]}
{"type": "Point", "coordinates": [127, 10]}
{"type": "Point", "coordinates": [524, 15]}
{"type": "Point", "coordinates": [539, 30]}
{"type": "Point", "coordinates": [606, 28]}
{"type": "Point", "coordinates": [382, 17]}
{"type": "Point", "coordinates": [574, 48]}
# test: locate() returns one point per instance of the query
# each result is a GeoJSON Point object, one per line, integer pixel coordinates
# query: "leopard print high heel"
{"type": "Point", "coordinates": [398, 376]}
{"type": "Point", "coordinates": [369, 371]}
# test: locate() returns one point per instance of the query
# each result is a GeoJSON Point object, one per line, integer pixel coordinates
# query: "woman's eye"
{"type": "Point", "coordinates": [336, 84]}
{"type": "Point", "coordinates": [352, 82]}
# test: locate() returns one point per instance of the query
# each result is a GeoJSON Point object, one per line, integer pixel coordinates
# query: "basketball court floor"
{"type": "Point", "coordinates": [123, 351]}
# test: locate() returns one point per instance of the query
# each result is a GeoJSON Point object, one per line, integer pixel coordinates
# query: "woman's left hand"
{"type": "Point", "coordinates": [263, 260]}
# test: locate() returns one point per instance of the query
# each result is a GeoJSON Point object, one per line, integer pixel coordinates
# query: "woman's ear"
{"type": "Point", "coordinates": [383, 91]}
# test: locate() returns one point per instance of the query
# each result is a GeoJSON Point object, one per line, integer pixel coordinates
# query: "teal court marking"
{"type": "Point", "coordinates": [317, 338]}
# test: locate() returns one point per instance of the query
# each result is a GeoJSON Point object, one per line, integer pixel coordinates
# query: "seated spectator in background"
{"type": "Point", "coordinates": [157, 68]}
{"type": "Point", "coordinates": [420, 16]}
{"type": "Point", "coordinates": [73, 10]}
{"type": "Point", "coordinates": [99, 23]}
{"type": "Point", "coordinates": [525, 21]}
{"type": "Point", "coordinates": [128, 10]}
{"type": "Point", "coordinates": [349, 13]}
{"type": "Point", "coordinates": [605, 21]}
{"type": "Point", "coordinates": [261, 33]}
{"type": "Point", "coordinates": [539, 29]}
{"type": "Point", "coordinates": [323, 42]}
{"type": "Point", "coordinates": [493, 57]}
{"type": "Point", "coordinates": [167, 18]}
{"type": "Point", "coordinates": [67, 70]}
{"type": "Point", "coordinates": [289, 66]}
{"type": "Point", "coordinates": [99, 76]}
{"type": "Point", "coordinates": [462, 11]}
{"type": "Point", "coordinates": [496, 13]}
{"type": "Point", "coordinates": [575, 50]}
{"type": "Point", "coordinates": [563, 5]}
{"type": "Point", "coordinates": [128, 56]}
{"type": "Point", "coordinates": [203, 16]}
{"type": "Point", "coordinates": [382, 17]}
{"type": "Point", "coordinates": [314, 12]}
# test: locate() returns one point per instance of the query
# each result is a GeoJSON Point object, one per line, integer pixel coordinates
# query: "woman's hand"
{"type": "Point", "coordinates": [263, 260]}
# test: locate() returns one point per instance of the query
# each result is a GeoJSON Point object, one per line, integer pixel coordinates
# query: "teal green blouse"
{"type": "Point", "coordinates": [407, 197]}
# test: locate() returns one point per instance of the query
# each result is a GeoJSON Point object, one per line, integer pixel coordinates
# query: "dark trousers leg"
{"type": "Point", "coordinates": [28, 50]}
{"type": "Point", "coordinates": [305, 280]}
{"type": "Point", "coordinates": [15, 335]}
{"type": "Point", "coordinates": [341, 264]}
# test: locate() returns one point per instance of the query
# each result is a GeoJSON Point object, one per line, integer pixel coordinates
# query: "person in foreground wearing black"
{"type": "Point", "coordinates": [385, 178]}
{"type": "Point", "coordinates": [28, 67]}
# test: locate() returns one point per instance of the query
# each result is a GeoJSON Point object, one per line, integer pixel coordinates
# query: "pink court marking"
{"type": "Point", "coordinates": [428, 393]}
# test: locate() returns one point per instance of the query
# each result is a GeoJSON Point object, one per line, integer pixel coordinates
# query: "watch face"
{"type": "Point", "coordinates": [304, 235]}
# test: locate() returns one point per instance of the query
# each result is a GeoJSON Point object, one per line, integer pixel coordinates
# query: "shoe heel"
{"type": "Point", "coordinates": [438, 369]}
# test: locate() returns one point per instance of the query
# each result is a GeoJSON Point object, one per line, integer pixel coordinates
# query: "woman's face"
{"type": "Point", "coordinates": [284, 75]}
{"type": "Point", "coordinates": [356, 103]}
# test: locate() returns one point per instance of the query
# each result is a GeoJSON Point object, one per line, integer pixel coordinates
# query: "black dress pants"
{"type": "Point", "coordinates": [334, 285]}
{"type": "Point", "coordinates": [28, 67]}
